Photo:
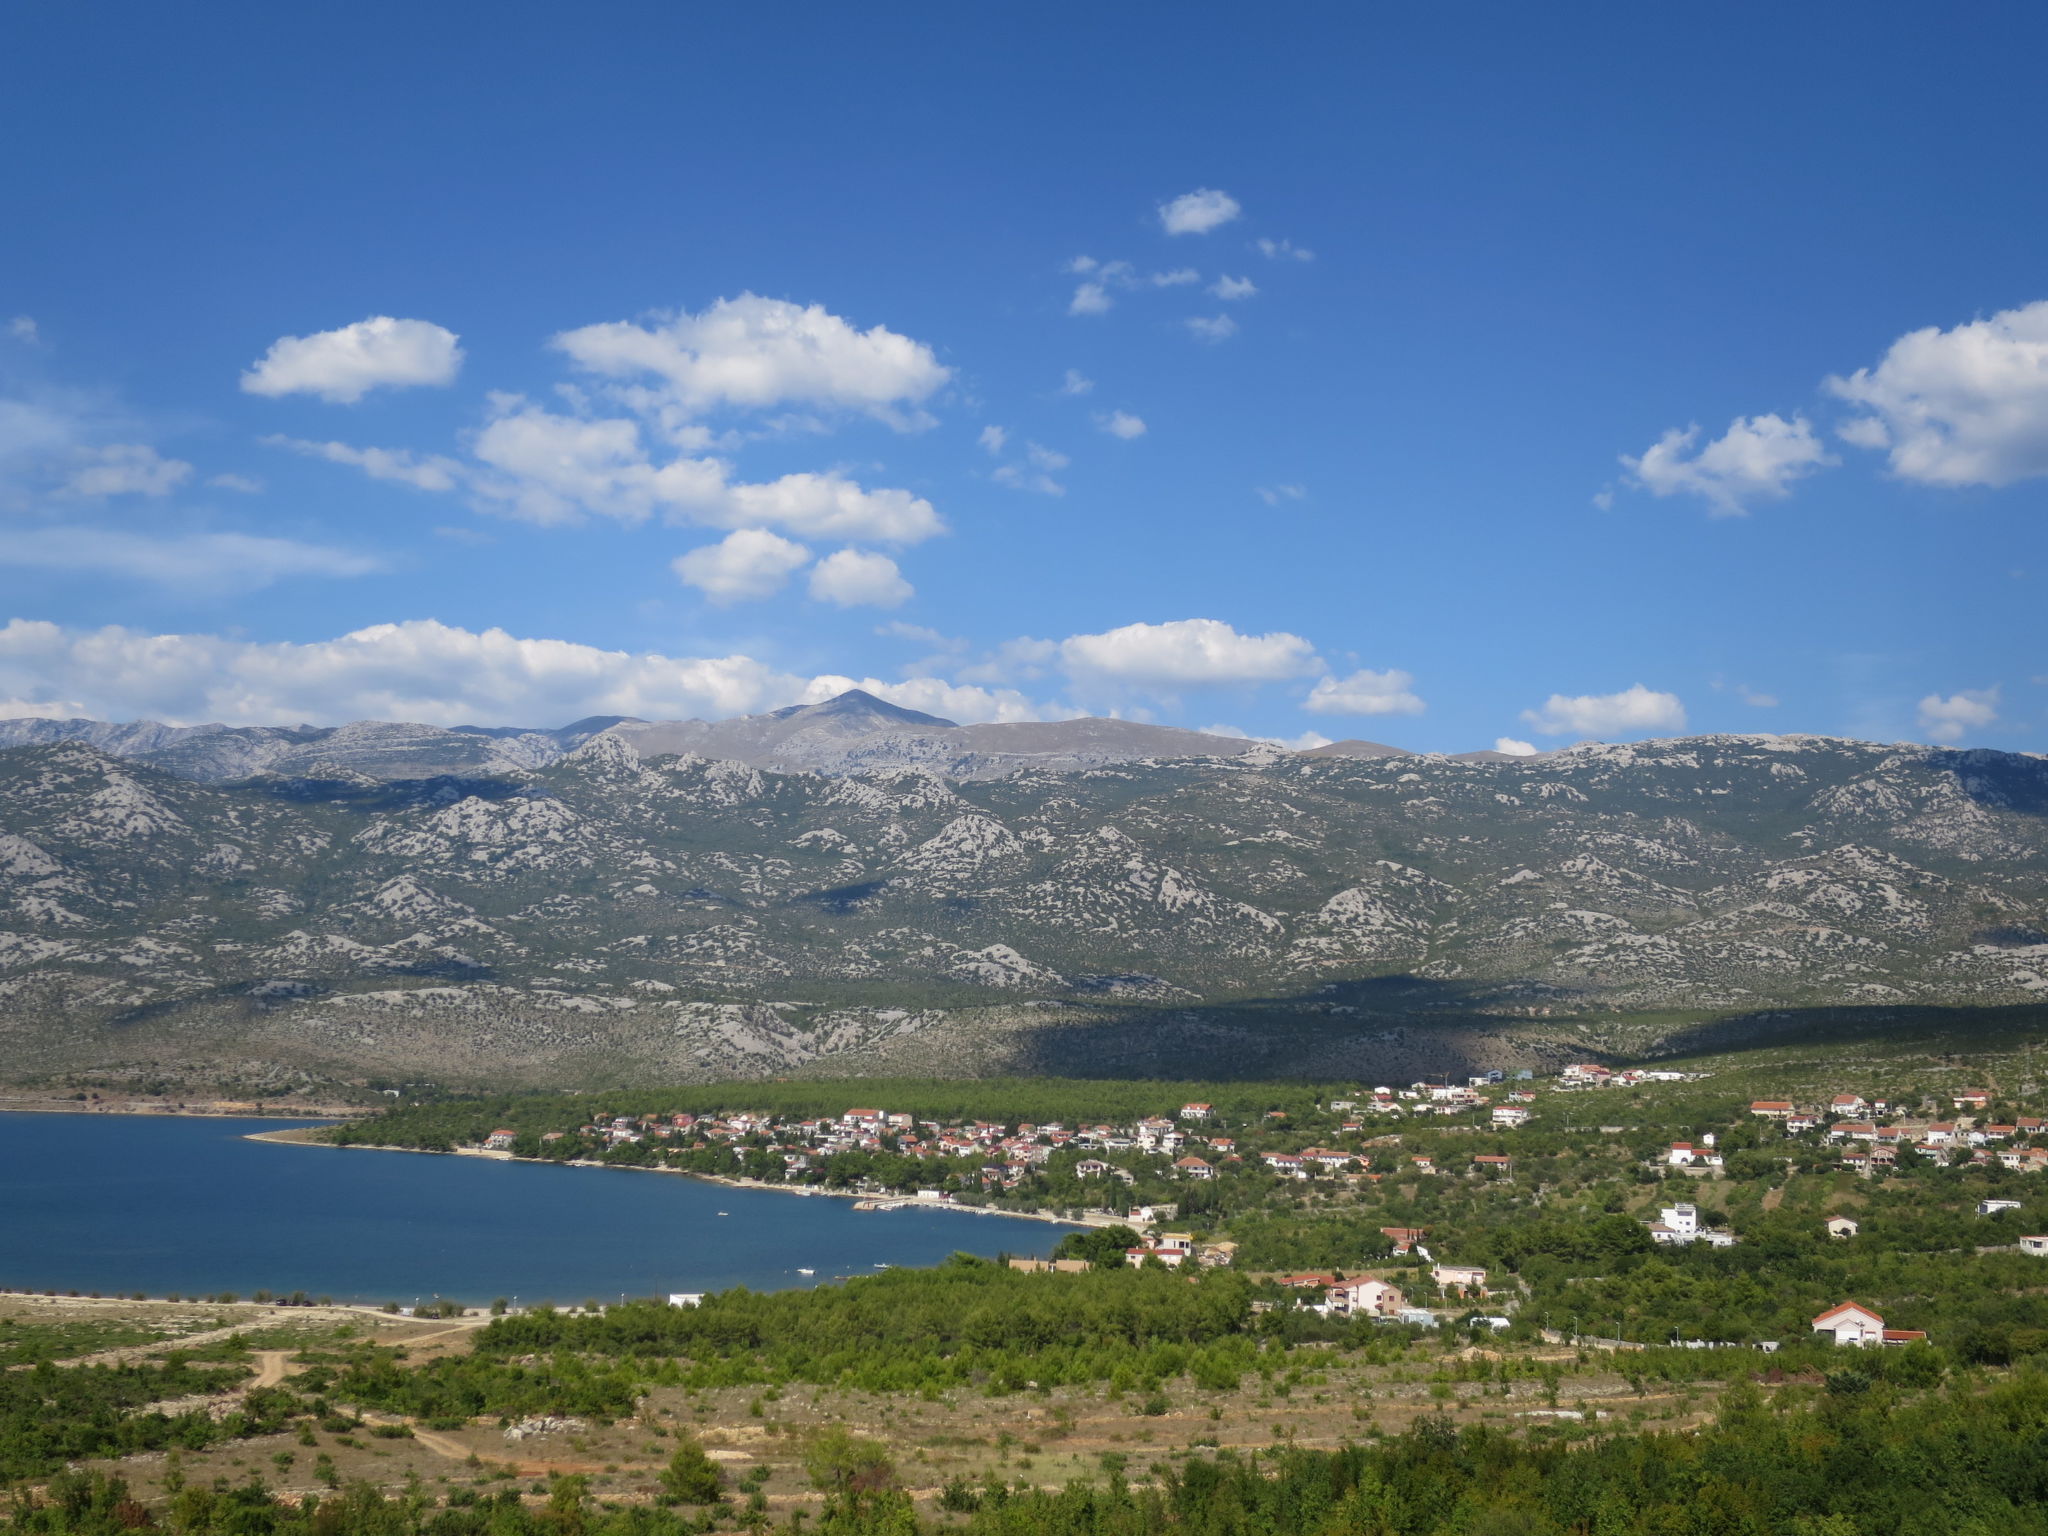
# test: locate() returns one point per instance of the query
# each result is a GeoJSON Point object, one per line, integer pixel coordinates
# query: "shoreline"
{"type": "Point", "coordinates": [298, 1136]}
{"type": "Point", "coordinates": [225, 1111]}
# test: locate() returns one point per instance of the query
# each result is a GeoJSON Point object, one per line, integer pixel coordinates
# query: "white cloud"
{"type": "Point", "coordinates": [1036, 474]}
{"type": "Point", "coordinates": [1757, 458]}
{"type": "Point", "coordinates": [1198, 212]}
{"type": "Point", "coordinates": [1233, 287]}
{"type": "Point", "coordinates": [552, 469]}
{"type": "Point", "coordinates": [993, 438]}
{"type": "Point", "coordinates": [23, 328]}
{"type": "Point", "coordinates": [1365, 692]}
{"type": "Point", "coordinates": [1513, 748]}
{"type": "Point", "coordinates": [1952, 718]}
{"type": "Point", "coordinates": [1967, 406]}
{"type": "Point", "coordinates": [1302, 743]}
{"type": "Point", "coordinates": [127, 469]}
{"type": "Point", "coordinates": [1187, 652]}
{"type": "Point", "coordinates": [1121, 424]}
{"type": "Point", "coordinates": [248, 485]}
{"type": "Point", "coordinates": [858, 578]}
{"type": "Point", "coordinates": [346, 364]}
{"type": "Point", "coordinates": [747, 565]}
{"type": "Point", "coordinates": [1081, 264]}
{"type": "Point", "coordinates": [421, 471]}
{"type": "Point", "coordinates": [419, 670]}
{"type": "Point", "coordinates": [1273, 495]}
{"type": "Point", "coordinates": [1632, 710]}
{"type": "Point", "coordinates": [921, 634]}
{"type": "Point", "coordinates": [1076, 383]}
{"type": "Point", "coordinates": [1179, 277]}
{"type": "Point", "coordinates": [1754, 699]}
{"type": "Point", "coordinates": [194, 564]}
{"type": "Point", "coordinates": [1284, 250]}
{"type": "Point", "coordinates": [1090, 299]}
{"type": "Point", "coordinates": [1211, 327]}
{"type": "Point", "coordinates": [753, 353]}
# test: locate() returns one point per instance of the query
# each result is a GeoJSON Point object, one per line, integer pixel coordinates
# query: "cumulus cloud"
{"type": "Point", "coordinates": [1076, 383]}
{"type": "Point", "coordinates": [993, 438]}
{"type": "Point", "coordinates": [1306, 741]}
{"type": "Point", "coordinates": [23, 328]}
{"type": "Point", "coordinates": [1365, 692]}
{"type": "Point", "coordinates": [1757, 458]}
{"type": "Point", "coordinates": [1634, 709]}
{"type": "Point", "coordinates": [747, 565]}
{"type": "Point", "coordinates": [1284, 250]}
{"type": "Point", "coordinates": [1198, 212]}
{"type": "Point", "coordinates": [1179, 277]}
{"type": "Point", "coordinates": [859, 578]}
{"type": "Point", "coordinates": [1510, 747]}
{"type": "Point", "coordinates": [1211, 327]}
{"type": "Point", "coordinates": [344, 365]}
{"type": "Point", "coordinates": [1090, 299]}
{"type": "Point", "coordinates": [194, 564]}
{"type": "Point", "coordinates": [753, 353]}
{"type": "Point", "coordinates": [421, 471]}
{"type": "Point", "coordinates": [127, 469]}
{"type": "Point", "coordinates": [419, 670]}
{"type": "Point", "coordinates": [1952, 718]}
{"type": "Point", "coordinates": [1121, 424]}
{"type": "Point", "coordinates": [1187, 652]}
{"type": "Point", "coordinates": [1233, 288]}
{"type": "Point", "coordinates": [1967, 406]}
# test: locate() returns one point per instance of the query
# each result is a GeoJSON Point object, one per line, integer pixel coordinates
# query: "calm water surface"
{"type": "Point", "coordinates": [107, 1203]}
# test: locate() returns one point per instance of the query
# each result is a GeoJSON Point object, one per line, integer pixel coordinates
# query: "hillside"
{"type": "Point", "coordinates": [1262, 913]}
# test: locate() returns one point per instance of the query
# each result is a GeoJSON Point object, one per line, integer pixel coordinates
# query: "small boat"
{"type": "Point", "coordinates": [807, 1271]}
{"type": "Point", "coordinates": [725, 1213]}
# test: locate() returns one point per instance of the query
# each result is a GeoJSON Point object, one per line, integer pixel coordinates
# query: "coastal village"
{"type": "Point", "coordinates": [1155, 1175]}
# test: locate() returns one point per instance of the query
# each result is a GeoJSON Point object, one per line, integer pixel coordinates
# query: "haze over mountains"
{"type": "Point", "coordinates": [851, 733]}
{"type": "Point", "coordinates": [623, 909]}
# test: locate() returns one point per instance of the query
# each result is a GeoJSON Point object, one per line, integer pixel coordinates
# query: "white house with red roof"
{"type": "Point", "coordinates": [1852, 1324]}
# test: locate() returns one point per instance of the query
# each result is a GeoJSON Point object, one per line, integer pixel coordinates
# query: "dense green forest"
{"type": "Point", "coordinates": [1854, 1457]}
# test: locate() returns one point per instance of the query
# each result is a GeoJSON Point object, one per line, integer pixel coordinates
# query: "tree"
{"type": "Point", "coordinates": [692, 1477]}
{"type": "Point", "coordinates": [839, 1462]}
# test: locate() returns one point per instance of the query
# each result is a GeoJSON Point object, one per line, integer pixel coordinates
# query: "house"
{"type": "Point", "coordinates": [1494, 1162]}
{"type": "Point", "coordinates": [1404, 1238]}
{"type": "Point", "coordinates": [1939, 1134]}
{"type": "Point", "coordinates": [1286, 1164]}
{"type": "Point", "coordinates": [1800, 1120]}
{"type": "Point", "coordinates": [1841, 1226]}
{"type": "Point", "coordinates": [1584, 1075]}
{"type": "Point", "coordinates": [500, 1141]}
{"type": "Point", "coordinates": [1993, 1207]}
{"type": "Point", "coordinates": [1090, 1168]}
{"type": "Point", "coordinates": [1971, 1098]}
{"type": "Point", "coordinates": [686, 1298]}
{"type": "Point", "coordinates": [1851, 1324]}
{"type": "Point", "coordinates": [1771, 1109]}
{"type": "Point", "coordinates": [2035, 1246]}
{"type": "Point", "coordinates": [1308, 1282]}
{"type": "Point", "coordinates": [1510, 1114]}
{"type": "Point", "coordinates": [1423, 1164]}
{"type": "Point", "coordinates": [1172, 1258]}
{"type": "Point", "coordinates": [1194, 1168]}
{"type": "Point", "coordinates": [1195, 1112]}
{"type": "Point", "coordinates": [1459, 1276]}
{"type": "Point", "coordinates": [1852, 1130]}
{"type": "Point", "coordinates": [1682, 1154]}
{"type": "Point", "coordinates": [1365, 1298]}
{"type": "Point", "coordinates": [1847, 1104]}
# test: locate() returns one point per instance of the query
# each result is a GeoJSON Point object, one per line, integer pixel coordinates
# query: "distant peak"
{"type": "Point", "coordinates": [859, 703]}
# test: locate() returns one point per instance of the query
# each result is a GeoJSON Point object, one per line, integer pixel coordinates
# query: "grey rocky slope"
{"type": "Point", "coordinates": [609, 913]}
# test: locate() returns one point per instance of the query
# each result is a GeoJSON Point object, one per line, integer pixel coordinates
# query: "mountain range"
{"type": "Point", "coordinates": [851, 733]}
{"type": "Point", "coordinates": [628, 910]}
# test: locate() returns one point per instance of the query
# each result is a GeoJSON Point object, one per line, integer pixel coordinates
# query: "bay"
{"type": "Point", "coordinates": [118, 1203]}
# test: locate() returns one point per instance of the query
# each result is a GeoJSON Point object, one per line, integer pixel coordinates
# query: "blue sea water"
{"type": "Point", "coordinates": [128, 1203]}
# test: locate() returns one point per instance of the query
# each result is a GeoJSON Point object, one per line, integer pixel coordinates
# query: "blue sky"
{"type": "Point", "coordinates": [1435, 375]}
